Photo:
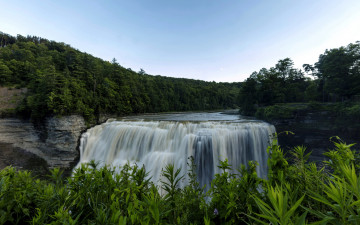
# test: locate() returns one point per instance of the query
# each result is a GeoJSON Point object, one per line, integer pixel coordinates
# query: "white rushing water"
{"type": "Point", "coordinates": [155, 144]}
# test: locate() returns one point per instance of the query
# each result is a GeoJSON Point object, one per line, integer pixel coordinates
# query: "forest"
{"type": "Point", "coordinates": [334, 78]}
{"type": "Point", "coordinates": [62, 80]}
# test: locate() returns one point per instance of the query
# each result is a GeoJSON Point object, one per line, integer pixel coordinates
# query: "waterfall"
{"type": "Point", "coordinates": [155, 144]}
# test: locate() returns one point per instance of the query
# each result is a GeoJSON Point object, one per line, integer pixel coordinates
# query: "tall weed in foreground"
{"type": "Point", "coordinates": [305, 177]}
{"type": "Point", "coordinates": [277, 163]}
{"type": "Point", "coordinates": [93, 190]}
{"type": "Point", "coordinates": [52, 196]}
{"type": "Point", "coordinates": [171, 186]}
{"type": "Point", "coordinates": [231, 194]}
{"type": "Point", "coordinates": [283, 191]}
{"type": "Point", "coordinates": [341, 194]}
{"type": "Point", "coordinates": [19, 196]}
{"type": "Point", "coordinates": [280, 209]}
{"type": "Point", "coordinates": [342, 154]}
{"type": "Point", "coordinates": [191, 203]}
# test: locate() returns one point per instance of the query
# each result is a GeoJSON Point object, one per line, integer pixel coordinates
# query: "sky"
{"type": "Point", "coordinates": [212, 40]}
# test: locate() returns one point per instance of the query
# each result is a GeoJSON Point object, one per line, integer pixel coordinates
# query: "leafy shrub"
{"type": "Point", "coordinates": [315, 105]}
{"type": "Point", "coordinates": [294, 193]}
{"type": "Point", "coordinates": [274, 112]}
{"type": "Point", "coordinates": [353, 111]}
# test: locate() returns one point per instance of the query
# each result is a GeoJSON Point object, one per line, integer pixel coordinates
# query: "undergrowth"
{"type": "Point", "coordinates": [300, 192]}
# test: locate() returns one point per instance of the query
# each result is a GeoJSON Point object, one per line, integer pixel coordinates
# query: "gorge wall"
{"type": "Point", "coordinates": [313, 129]}
{"type": "Point", "coordinates": [52, 143]}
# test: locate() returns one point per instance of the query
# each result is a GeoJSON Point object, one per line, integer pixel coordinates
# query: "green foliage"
{"type": "Point", "coordinates": [342, 113]}
{"type": "Point", "coordinates": [279, 84]}
{"type": "Point", "coordinates": [247, 97]}
{"type": "Point", "coordinates": [17, 195]}
{"type": "Point", "coordinates": [342, 155]}
{"type": "Point", "coordinates": [351, 112]}
{"type": "Point", "coordinates": [191, 204]}
{"type": "Point", "coordinates": [5, 73]}
{"type": "Point", "coordinates": [336, 79]}
{"type": "Point", "coordinates": [341, 195]}
{"type": "Point", "coordinates": [62, 81]}
{"type": "Point", "coordinates": [278, 166]}
{"type": "Point", "coordinates": [274, 111]}
{"type": "Point", "coordinates": [171, 187]}
{"type": "Point", "coordinates": [312, 92]}
{"type": "Point", "coordinates": [231, 194]}
{"type": "Point", "coordinates": [280, 210]}
{"type": "Point", "coordinates": [295, 193]}
{"type": "Point", "coordinates": [338, 69]}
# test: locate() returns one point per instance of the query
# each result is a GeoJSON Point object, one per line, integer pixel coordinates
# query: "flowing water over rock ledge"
{"type": "Point", "coordinates": [173, 138]}
{"type": "Point", "coordinates": [208, 137]}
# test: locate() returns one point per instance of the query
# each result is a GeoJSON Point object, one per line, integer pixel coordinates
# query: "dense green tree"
{"type": "Point", "coordinates": [338, 68]}
{"type": "Point", "coordinates": [280, 84]}
{"type": "Point", "coordinates": [5, 73]}
{"type": "Point", "coordinates": [312, 91]}
{"type": "Point", "coordinates": [247, 97]}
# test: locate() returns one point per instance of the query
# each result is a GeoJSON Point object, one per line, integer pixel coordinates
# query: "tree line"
{"type": "Point", "coordinates": [335, 77]}
{"type": "Point", "coordinates": [62, 80]}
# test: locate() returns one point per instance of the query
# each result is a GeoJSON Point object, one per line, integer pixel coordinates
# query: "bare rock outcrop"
{"type": "Point", "coordinates": [55, 140]}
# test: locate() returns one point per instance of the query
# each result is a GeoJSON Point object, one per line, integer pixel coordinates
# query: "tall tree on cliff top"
{"type": "Point", "coordinates": [279, 84]}
{"type": "Point", "coordinates": [338, 68]}
{"type": "Point", "coordinates": [248, 96]}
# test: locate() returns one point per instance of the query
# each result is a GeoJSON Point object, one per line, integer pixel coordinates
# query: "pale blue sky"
{"type": "Point", "coordinates": [213, 40]}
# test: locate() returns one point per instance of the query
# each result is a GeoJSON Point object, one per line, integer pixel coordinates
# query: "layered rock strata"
{"type": "Point", "coordinates": [55, 140]}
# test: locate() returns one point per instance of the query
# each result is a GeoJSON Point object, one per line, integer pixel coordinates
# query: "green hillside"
{"type": "Point", "coordinates": [62, 80]}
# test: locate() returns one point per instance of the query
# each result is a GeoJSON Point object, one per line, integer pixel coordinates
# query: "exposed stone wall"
{"type": "Point", "coordinates": [55, 140]}
{"type": "Point", "coordinates": [313, 130]}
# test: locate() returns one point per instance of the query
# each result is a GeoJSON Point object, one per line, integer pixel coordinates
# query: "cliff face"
{"type": "Point", "coordinates": [313, 130]}
{"type": "Point", "coordinates": [54, 143]}
{"type": "Point", "coordinates": [55, 140]}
